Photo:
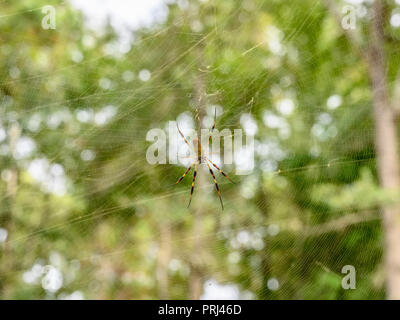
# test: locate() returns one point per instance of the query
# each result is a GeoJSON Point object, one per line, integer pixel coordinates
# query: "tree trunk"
{"type": "Point", "coordinates": [386, 144]}
{"type": "Point", "coordinates": [196, 278]}
{"type": "Point", "coordinates": [164, 256]}
{"type": "Point", "coordinates": [6, 221]}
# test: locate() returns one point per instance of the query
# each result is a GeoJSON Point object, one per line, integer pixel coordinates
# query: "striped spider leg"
{"type": "Point", "coordinates": [220, 171]}
{"type": "Point", "coordinates": [195, 164]}
{"type": "Point", "coordinates": [216, 185]}
{"type": "Point", "coordinates": [213, 126]}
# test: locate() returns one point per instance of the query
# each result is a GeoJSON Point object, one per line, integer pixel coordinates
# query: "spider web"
{"type": "Point", "coordinates": [93, 219]}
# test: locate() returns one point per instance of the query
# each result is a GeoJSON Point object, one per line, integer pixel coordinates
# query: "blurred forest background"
{"type": "Point", "coordinates": [84, 215]}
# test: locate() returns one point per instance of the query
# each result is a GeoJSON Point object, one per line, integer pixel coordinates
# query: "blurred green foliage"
{"type": "Point", "coordinates": [120, 227]}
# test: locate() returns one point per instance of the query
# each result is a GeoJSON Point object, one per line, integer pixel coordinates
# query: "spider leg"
{"type": "Point", "coordinates": [213, 127]}
{"type": "Point", "coordinates": [180, 132]}
{"type": "Point", "coordinates": [220, 171]}
{"type": "Point", "coordinates": [216, 186]}
{"type": "Point", "coordinates": [188, 169]}
{"type": "Point", "coordinates": [194, 179]}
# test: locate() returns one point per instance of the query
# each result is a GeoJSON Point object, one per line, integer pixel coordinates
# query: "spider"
{"type": "Point", "coordinates": [201, 158]}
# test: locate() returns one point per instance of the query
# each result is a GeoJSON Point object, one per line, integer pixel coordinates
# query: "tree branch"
{"type": "Point", "coordinates": [341, 223]}
{"type": "Point", "coordinates": [396, 97]}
